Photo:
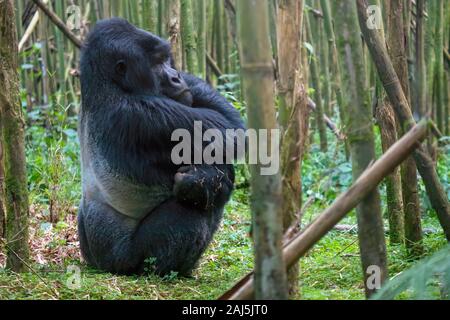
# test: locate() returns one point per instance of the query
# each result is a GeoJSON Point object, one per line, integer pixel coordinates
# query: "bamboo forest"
{"type": "Point", "coordinates": [224, 150]}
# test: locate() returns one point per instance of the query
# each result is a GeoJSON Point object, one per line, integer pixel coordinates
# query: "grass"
{"type": "Point", "coordinates": [330, 271]}
{"type": "Point", "coordinates": [227, 259]}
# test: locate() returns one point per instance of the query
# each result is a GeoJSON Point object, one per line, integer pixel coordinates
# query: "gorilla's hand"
{"type": "Point", "coordinates": [204, 186]}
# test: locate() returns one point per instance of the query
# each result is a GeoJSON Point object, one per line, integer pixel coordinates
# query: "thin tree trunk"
{"type": "Point", "coordinates": [388, 129]}
{"type": "Point", "coordinates": [162, 18]}
{"type": "Point", "coordinates": [231, 18]}
{"type": "Point", "coordinates": [12, 125]}
{"type": "Point", "coordinates": [429, 43]}
{"type": "Point", "coordinates": [226, 43]}
{"type": "Point", "coordinates": [257, 71]}
{"type": "Point", "coordinates": [173, 30]}
{"type": "Point", "coordinates": [115, 8]}
{"type": "Point", "coordinates": [315, 79]}
{"type": "Point", "coordinates": [388, 76]}
{"type": "Point", "coordinates": [273, 8]}
{"type": "Point", "coordinates": [218, 33]}
{"type": "Point", "coordinates": [150, 15]}
{"type": "Point", "coordinates": [323, 46]}
{"type": "Point", "coordinates": [433, 56]}
{"type": "Point", "coordinates": [106, 9]}
{"type": "Point", "coordinates": [362, 147]}
{"type": "Point", "coordinates": [335, 64]}
{"type": "Point", "coordinates": [61, 59]}
{"type": "Point", "coordinates": [386, 117]}
{"type": "Point", "coordinates": [409, 49]}
{"type": "Point", "coordinates": [43, 36]}
{"type": "Point", "coordinates": [447, 103]}
{"type": "Point", "coordinates": [133, 12]}
{"type": "Point", "coordinates": [211, 68]}
{"type": "Point", "coordinates": [439, 68]}
{"type": "Point", "coordinates": [188, 36]}
{"type": "Point", "coordinates": [411, 202]}
{"type": "Point", "coordinates": [292, 110]}
{"type": "Point", "coordinates": [201, 37]}
{"type": "Point", "coordinates": [421, 73]}
{"type": "Point", "coordinates": [447, 74]}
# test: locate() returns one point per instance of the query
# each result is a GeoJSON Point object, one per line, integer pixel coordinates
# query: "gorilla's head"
{"type": "Point", "coordinates": [118, 54]}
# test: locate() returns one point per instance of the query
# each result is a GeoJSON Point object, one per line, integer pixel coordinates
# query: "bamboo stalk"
{"type": "Point", "coordinates": [293, 116]}
{"type": "Point", "coordinates": [188, 36]}
{"type": "Point", "coordinates": [439, 65]}
{"type": "Point", "coordinates": [362, 143]}
{"type": "Point", "coordinates": [315, 78]}
{"type": "Point", "coordinates": [420, 105]}
{"type": "Point", "coordinates": [201, 38]}
{"type": "Point", "coordinates": [392, 85]}
{"type": "Point", "coordinates": [161, 18]}
{"type": "Point", "coordinates": [257, 72]}
{"type": "Point", "coordinates": [218, 33]}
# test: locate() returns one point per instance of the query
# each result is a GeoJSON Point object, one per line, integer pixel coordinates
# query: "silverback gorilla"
{"type": "Point", "coordinates": [137, 205]}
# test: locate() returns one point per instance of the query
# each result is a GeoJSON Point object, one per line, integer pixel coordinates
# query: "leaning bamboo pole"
{"type": "Point", "coordinates": [367, 181]}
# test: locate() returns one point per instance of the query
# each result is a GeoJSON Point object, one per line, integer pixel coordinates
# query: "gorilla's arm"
{"type": "Point", "coordinates": [204, 186]}
{"type": "Point", "coordinates": [148, 123]}
{"type": "Point", "coordinates": [208, 185]}
{"type": "Point", "coordinates": [142, 123]}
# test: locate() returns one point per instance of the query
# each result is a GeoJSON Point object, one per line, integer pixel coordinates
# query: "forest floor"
{"type": "Point", "coordinates": [331, 270]}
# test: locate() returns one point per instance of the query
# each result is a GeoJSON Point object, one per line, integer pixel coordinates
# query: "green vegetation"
{"type": "Point", "coordinates": [330, 271]}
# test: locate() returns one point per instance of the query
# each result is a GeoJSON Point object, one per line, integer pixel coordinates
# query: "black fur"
{"type": "Point", "coordinates": [132, 207]}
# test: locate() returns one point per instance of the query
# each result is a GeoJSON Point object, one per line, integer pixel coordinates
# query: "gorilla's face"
{"type": "Point", "coordinates": [133, 59]}
{"type": "Point", "coordinates": [172, 83]}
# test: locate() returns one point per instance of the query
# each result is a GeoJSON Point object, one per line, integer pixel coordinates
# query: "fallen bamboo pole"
{"type": "Point", "coordinates": [369, 179]}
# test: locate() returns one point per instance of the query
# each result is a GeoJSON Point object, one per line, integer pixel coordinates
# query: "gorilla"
{"type": "Point", "coordinates": [138, 206]}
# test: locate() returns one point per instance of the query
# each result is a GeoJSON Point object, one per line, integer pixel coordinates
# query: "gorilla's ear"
{"type": "Point", "coordinates": [121, 67]}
